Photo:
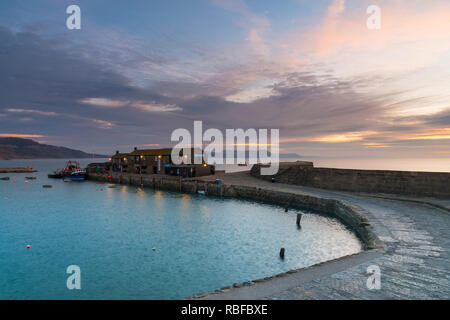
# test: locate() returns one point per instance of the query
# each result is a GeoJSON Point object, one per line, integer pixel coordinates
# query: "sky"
{"type": "Point", "coordinates": [137, 70]}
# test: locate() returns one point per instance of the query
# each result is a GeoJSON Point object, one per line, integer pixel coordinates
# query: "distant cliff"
{"type": "Point", "coordinates": [17, 148]}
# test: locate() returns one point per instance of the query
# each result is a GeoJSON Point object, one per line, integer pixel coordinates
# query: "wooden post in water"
{"type": "Point", "coordinates": [282, 253]}
{"type": "Point", "coordinates": [286, 209]}
{"type": "Point", "coordinates": [299, 218]}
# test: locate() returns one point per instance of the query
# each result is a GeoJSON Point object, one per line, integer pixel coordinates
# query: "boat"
{"type": "Point", "coordinates": [75, 175]}
{"type": "Point", "coordinates": [56, 175]}
{"type": "Point", "coordinates": [30, 178]}
{"type": "Point", "coordinates": [4, 178]}
{"type": "Point", "coordinates": [74, 172]}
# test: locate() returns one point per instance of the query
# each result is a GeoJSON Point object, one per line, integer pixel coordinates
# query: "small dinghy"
{"type": "Point", "coordinates": [30, 178]}
{"type": "Point", "coordinates": [4, 178]}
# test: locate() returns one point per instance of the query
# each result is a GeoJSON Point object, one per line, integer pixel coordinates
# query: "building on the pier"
{"type": "Point", "coordinates": [119, 162]}
{"type": "Point", "coordinates": [159, 161]}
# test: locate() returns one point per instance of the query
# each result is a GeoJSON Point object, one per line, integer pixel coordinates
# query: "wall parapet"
{"type": "Point", "coordinates": [410, 183]}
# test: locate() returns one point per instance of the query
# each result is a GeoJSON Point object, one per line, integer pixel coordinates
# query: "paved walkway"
{"type": "Point", "coordinates": [414, 263]}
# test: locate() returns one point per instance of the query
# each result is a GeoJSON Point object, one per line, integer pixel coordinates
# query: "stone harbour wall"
{"type": "Point", "coordinates": [423, 184]}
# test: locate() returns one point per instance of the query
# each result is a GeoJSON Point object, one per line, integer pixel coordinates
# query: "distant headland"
{"type": "Point", "coordinates": [19, 148]}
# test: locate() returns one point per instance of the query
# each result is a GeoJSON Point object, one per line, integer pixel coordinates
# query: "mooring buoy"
{"type": "Point", "coordinates": [299, 219]}
{"type": "Point", "coordinates": [282, 253]}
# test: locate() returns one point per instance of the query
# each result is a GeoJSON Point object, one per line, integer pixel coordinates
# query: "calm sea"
{"type": "Point", "coordinates": [134, 243]}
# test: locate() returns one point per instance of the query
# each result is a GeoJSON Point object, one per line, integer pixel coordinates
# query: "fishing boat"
{"type": "Point", "coordinates": [76, 175]}
{"type": "Point", "coordinates": [74, 172]}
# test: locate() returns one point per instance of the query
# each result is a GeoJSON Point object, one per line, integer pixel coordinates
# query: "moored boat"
{"type": "Point", "coordinates": [76, 175]}
{"type": "Point", "coordinates": [72, 172]}
{"type": "Point", "coordinates": [56, 175]}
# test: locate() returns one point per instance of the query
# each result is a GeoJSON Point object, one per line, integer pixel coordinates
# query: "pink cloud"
{"type": "Point", "coordinates": [20, 135]}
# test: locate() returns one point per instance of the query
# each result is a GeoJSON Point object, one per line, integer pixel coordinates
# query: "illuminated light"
{"type": "Point", "coordinates": [124, 159]}
{"type": "Point", "coordinates": [109, 159]}
{"type": "Point", "coordinates": [142, 157]}
{"type": "Point", "coordinates": [204, 164]}
{"type": "Point", "coordinates": [160, 156]}
{"type": "Point", "coordinates": [185, 156]}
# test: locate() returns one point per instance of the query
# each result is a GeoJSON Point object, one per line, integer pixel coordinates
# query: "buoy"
{"type": "Point", "coordinates": [6, 198]}
{"type": "Point", "coordinates": [26, 181]}
{"type": "Point", "coordinates": [154, 249]}
{"type": "Point", "coordinates": [286, 209]}
{"type": "Point", "coordinates": [28, 246]}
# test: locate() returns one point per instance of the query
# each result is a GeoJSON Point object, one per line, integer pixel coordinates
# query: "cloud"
{"type": "Point", "coordinates": [103, 124]}
{"type": "Point", "coordinates": [145, 106]}
{"type": "Point", "coordinates": [20, 135]}
{"type": "Point", "coordinates": [330, 87]}
{"type": "Point", "coordinates": [44, 113]}
{"type": "Point", "coordinates": [104, 102]}
{"type": "Point", "coordinates": [156, 107]}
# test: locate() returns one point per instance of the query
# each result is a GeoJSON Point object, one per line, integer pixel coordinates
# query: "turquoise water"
{"type": "Point", "coordinates": [201, 243]}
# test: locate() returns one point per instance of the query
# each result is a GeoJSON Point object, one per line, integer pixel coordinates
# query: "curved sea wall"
{"type": "Point", "coordinates": [350, 215]}
{"type": "Point", "coordinates": [410, 183]}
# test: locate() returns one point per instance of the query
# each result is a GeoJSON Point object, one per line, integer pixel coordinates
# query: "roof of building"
{"type": "Point", "coordinates": [119, 155]}
{"type": "Point", "coordinates": [151, 152]}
